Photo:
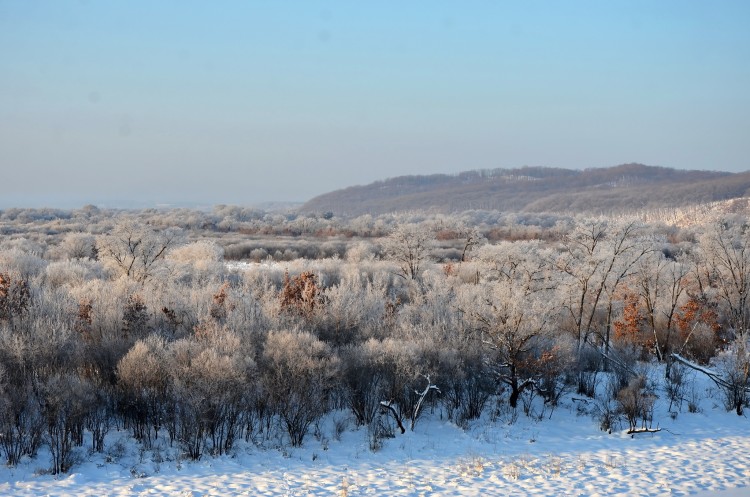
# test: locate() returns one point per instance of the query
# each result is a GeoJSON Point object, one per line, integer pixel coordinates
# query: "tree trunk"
{"type": "Point", "coordinates": [514, 396]}
{"type": "Point", "coordinates": [512, 380]}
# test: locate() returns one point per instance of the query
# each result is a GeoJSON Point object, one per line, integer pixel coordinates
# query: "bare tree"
{"type": "Point", "coordinates": [472, 238]}
{"type": "Point", "coordinates": [726, 249]}
{"type": "Point", "coordinates": [595, 258]}
{"type": "Point", "coordinates": [515, 311]}
{"type": "Point", "coordinates": [135, 250]}
{"type": "Point", "coordinates": [660, 282]}
{"type": "Point", "coordinates": [409, 246]}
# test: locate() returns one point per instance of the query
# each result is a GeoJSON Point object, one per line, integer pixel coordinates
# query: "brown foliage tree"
{"type": "Point", "coordinates": [84, 320]}
{"type": "Point", "coordinates": [699, 328]}
{"type": "Point", "coordinates": [300, 294]}
{"type": "Point", "coordinates": [629, 328]}
{"type": "Point", "coordinates": [219, 305]}
{"type": "Point", "coordinates": [14, 296]}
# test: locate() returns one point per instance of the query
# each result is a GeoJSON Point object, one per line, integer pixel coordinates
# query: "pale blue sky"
{"type": "Point", "coordinates": [242, 102]}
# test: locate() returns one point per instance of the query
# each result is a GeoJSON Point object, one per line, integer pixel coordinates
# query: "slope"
{"type": "Point", "coordinates": [537, 189]}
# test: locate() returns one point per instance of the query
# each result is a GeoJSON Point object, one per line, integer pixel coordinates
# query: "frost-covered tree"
{"type": "Point", "coordinates": [660, 283]}
{"type": "Point", "coordinates": [136, 250]}
{"type": "Point", "coordinates": [471, 239]}
{"type": "Point", "coordinates": [24, 262]}
{"type": "Point", "coordinates": [200, 261]}
{"type": "Point", "coordinates": [79, 246]}
{"type": "Point", "coordinates": [408, 245]}
{"type": "Point", "coordinates": [726, 252]}
{"type": "Point", "coordinates": [594, 258]}
{"type": "Point", "coordinates": [514, 312]}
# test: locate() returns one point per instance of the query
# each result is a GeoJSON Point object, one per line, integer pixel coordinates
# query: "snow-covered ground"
{"type": "Point", "coordinates": [703, 453]}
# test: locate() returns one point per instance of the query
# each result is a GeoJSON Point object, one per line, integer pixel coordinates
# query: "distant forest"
{"type": "Point", "coordinates": [622, 189]}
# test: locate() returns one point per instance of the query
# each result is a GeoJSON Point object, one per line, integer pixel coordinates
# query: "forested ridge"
{"type": "Point", "coordinates": [623, 189]}
{"type": "Point", "coordinates": [202, 329]}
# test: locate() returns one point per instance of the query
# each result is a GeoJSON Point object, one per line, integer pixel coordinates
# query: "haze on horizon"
{"type": "Point", "coordinates": [121, 103]}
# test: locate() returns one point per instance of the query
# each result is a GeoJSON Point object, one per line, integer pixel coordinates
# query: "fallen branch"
{"type": "Point", "coordinates": [643, 430]}
{"type": "Point", "coordinates": [713, 375]}
{"type": "Point", "coordinates": [616, 362]}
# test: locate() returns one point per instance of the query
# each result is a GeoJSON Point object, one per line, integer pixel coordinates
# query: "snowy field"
{"type": "Point", "coordinates": [704, 453]}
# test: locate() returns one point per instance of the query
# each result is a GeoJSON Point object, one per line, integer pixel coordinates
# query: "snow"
{"type": "Point", "coordinates": [703, 453]}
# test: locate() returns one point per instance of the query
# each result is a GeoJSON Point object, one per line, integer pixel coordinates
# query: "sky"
{"type": "Point", "coordinates": [181, 102]}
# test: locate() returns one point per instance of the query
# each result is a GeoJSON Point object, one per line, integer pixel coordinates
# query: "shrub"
{"type": "Point", "coordinates": [636, 402]}
{"type": "Point", "coordinates": [299, 372]}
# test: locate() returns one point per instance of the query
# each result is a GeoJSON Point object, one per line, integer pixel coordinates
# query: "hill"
{"type": "Point", "coordinates": [618, 189]}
